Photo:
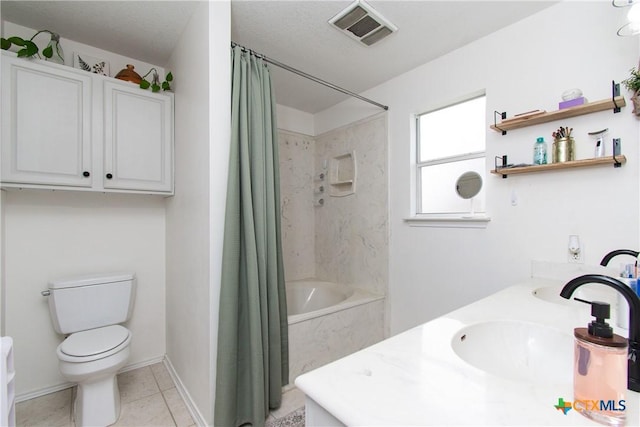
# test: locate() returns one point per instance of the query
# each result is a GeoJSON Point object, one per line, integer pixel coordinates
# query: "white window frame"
{"type": "Point", "coordinates": [443, 220]}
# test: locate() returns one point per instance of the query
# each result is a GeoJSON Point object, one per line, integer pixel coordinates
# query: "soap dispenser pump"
{"type": "Point", "coordinates": [600, 368]}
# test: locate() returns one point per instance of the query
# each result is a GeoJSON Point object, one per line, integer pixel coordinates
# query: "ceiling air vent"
{"type": "Point", "coordinates": [361, 22]}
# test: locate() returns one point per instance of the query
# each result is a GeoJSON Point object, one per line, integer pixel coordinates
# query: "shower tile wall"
{"type": "Point", "coordinates": [352, 231]}
{"type": "Point", "coordinates": [346, 240]}
{"type": "Point", "coordinates": [297, 160]}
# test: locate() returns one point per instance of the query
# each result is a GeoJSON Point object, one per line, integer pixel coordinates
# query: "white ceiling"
{"type": "Point", "coordinates": [297, 33]}
{"type": "Point", "coordinates": [144, 30]}
{"type": "Point", "coordinates": [293, 32]}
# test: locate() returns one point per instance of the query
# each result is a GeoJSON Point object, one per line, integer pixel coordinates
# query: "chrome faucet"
{"type": "Point", "coordinates": [608, 257]}
{"type": "Point", "coordinates": [633, 362]}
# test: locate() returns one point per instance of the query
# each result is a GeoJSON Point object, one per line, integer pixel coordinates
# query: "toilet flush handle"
{"type": "Point", "coordinates": [46, 293]}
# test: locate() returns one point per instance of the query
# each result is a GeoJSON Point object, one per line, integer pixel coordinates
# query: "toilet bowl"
{"type": "Point", "coordinates": [92, 359]}
{"type": "Point", "coordinates": [89, 310]}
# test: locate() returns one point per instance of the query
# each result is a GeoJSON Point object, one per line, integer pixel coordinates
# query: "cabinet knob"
{"type": "Point", "coordinates": [86, 174]}
{"type": "Point", "coordinates": [109, 176]}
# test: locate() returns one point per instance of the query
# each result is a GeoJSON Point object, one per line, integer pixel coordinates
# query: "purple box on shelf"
{"type": "Point", "coordinates": [572, 103]}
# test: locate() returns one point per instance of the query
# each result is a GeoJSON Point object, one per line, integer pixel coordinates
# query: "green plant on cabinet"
{"type": "Point", "coordinates": [155, 81]}
{"type": "Point", "coordinates": [29, 48]}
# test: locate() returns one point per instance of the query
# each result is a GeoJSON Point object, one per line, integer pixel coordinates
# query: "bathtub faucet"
{"type": "Point", "coordinates": [633, 359]}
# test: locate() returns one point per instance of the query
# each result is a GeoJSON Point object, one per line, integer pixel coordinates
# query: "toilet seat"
{"type": "Point", "coordinates": [94, 344]}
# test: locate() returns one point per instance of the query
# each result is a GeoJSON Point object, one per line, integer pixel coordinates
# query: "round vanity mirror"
{"type": "Point", "coordinates": [469, 185]}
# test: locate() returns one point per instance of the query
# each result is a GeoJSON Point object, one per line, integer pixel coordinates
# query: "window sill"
{"type": "Point", "coordinates": [475, 221]}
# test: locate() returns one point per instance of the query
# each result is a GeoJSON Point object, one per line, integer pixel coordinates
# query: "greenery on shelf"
{"type": "Point", "coordinates": [155, 84]}
{"type": "Point", "coordinates": [633, 82]}
{"type": "Point", "coordinates": [29, 48]}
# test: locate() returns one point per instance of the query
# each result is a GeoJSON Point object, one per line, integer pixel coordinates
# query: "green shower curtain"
{"type": "Point", "coordinates": [253, 353]}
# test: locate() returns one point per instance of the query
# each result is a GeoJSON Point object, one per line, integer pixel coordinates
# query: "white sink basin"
{"type": "Point", "coordinates": [590, 292]}
{"type": "Point", "coordinates": [518, 351]}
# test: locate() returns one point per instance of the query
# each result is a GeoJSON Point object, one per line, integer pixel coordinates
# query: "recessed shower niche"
{"type": "Point", "coordinates": [342, 175]}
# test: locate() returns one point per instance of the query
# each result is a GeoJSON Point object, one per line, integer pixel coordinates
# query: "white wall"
{"type": "Point", "coordinates": [195, 215]}
{"type": "Point", "coordinates": [220, 125]}
{"type": "Point", "coordinates": [48, 235]}
{"type": "Point", "coordinates": [51, 235]}
{"type": "Point", "coordinates": [522, 67]}
{"type": "Point", "coordinates": [116, 62]}
{"type": "Point", "coordinates": [3, 298]}
{"type": "Point", "coordinates": [295, 120]}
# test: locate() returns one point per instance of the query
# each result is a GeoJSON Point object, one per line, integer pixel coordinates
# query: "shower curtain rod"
{"type": "Point", "coordinates": [310, 77]}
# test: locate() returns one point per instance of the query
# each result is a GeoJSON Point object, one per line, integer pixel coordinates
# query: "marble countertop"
{"type": "Point", "coordinates": [415, 378]}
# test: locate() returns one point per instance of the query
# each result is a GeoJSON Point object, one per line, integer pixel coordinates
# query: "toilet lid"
{"type": "Point", "coordinates": [94, 341]}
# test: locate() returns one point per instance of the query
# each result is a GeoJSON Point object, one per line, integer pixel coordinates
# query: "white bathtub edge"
{"type": "Point", "coordinates": [359, 297]}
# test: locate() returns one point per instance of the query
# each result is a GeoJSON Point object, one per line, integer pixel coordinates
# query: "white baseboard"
{"type": "Point", "coordinates": [42, 391]}
{"type": "Point", "coordinates": [188, 401]}
{"type": "Point", "coordinates": [142, 364]}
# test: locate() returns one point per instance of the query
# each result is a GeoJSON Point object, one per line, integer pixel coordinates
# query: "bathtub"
{"type": "Point", "coordinates": [328, 321]}
{"type": "Point", "coordinates": [311, 298]}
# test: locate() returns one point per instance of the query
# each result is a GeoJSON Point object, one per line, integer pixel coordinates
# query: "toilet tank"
{"type": "Point", "coordinates": [89, 302]}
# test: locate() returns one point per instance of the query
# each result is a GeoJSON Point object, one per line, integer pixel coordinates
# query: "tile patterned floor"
{"type": "Point", "coordinates": [148, 397]}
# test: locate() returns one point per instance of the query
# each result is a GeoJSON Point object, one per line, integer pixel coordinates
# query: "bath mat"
{"type": "Point", "coordinates": [294, 419]}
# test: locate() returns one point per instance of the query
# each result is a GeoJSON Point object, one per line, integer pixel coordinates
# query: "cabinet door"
{"type": "Point", "coordinates": [138, 130]}
{"type": "Point", "coordinates": [46, 124]}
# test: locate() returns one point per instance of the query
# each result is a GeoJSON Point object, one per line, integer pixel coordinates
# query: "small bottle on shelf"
{"type": "Point", "coordinates": [540, 152]}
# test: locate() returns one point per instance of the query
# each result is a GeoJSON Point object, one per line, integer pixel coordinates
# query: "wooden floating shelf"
{"type": "Point", "coordinates": [591, 107]}
{"type": "Point", "coordinates": [557, 166]}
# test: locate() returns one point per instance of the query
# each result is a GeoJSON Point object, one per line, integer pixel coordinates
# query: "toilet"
{"type": "Point", "coordinates": [89, 309]}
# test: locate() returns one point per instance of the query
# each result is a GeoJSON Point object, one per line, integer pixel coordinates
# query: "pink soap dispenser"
{"type": "Point", "coordinates": [600, 369]}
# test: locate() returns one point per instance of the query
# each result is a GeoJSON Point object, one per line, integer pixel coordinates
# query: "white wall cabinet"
{"type": "Point", "coordinates": [46, 124]}
{"type": "Point", "coordinates": [64, 128]}
{"type": "Point", "coordinates": [138, 139]}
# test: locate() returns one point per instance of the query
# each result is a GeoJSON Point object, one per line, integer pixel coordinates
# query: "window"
{"type": "Point", "coordinates": [450, 142]}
